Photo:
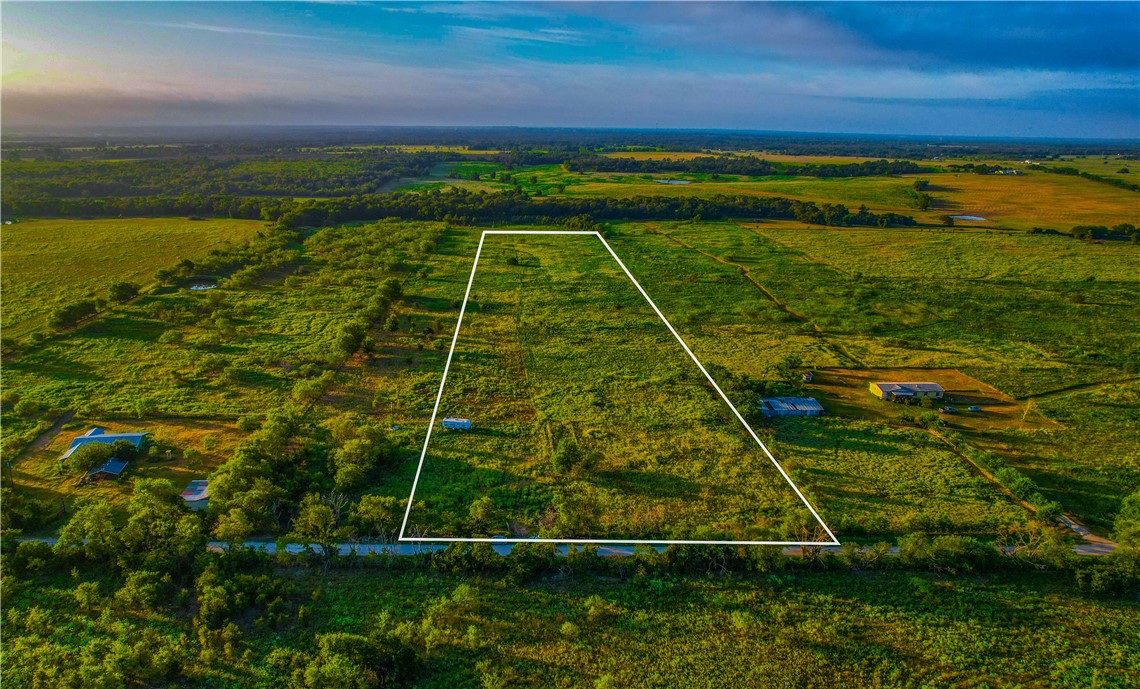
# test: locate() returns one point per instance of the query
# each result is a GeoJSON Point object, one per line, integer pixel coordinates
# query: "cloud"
{"type": "Point", "coordinates": [214, 28]}
{"type": "Point", "coordinates": [539, 94]}
{"type": "Point", "coordinates": [518, 35]}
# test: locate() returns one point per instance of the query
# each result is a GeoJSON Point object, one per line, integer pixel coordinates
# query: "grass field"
{"type": "Point", "coordinates": [1015, 313]}
{"type": "Point", "coordinates": [561, 348]}
{"type": "Point", "coordinates": [48, 263]}
{"type": "Point", "coordinates": [1021, 202]}
{"type": "Point", "coordinates": [1101, 166]}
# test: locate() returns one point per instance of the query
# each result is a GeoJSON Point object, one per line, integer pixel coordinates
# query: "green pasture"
{"type": "Point", "coordinates": [558, 347]}
{"type": "Point", "coordinates": [49, 263]}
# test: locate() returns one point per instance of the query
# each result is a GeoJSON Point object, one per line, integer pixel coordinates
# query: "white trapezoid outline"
{"type": "Point", "coordinates": [439, 398]}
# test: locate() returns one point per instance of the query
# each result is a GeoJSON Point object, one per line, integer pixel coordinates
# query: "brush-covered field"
{"type": "Point", "coordinates": [48, 263]}
{"type": "Point", "coordinates": [590, 419]}
{"type": "Point", "coordinates": [774, 628]}
{"type": "Point", "coordinates": [583, 402]}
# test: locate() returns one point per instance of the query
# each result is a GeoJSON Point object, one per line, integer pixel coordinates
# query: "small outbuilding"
{"type": "Point", "coordinates": [790, 406]}
{"type": "Point", "coordinates": [902, 392]}
{"type": "Point", "coordinates": [453, 424]}
{"type": "Point", "coordinates": [197, 494]}
{"type": "Point", "coordinates": [111, 469]}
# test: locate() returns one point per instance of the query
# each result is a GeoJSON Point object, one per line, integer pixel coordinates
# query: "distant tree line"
{"type": "Point", "coordinates": [748, 165]}
{"type": "Point", "coordinates": [466, 207]}
{"type": "Point", "coordinates": [1068, 170]}
{"type": "Point", "coordinates": [460, 206]}
{"type": "Point", "coordinates": [361, 172]}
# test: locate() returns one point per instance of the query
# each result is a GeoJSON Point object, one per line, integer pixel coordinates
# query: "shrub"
{"type": "Point", "coordinates": [248, 423]}
{"type": "Point", "coordinates": [1115, 575]}
{"type": "Point", "coordinates": [123, 291]}
{"type": "Point", "coordinates": [69, 316]}
{"type": "Point", "coordinates": [1126, 526]}
{"type": "Point", "coordinates": [27, 408]}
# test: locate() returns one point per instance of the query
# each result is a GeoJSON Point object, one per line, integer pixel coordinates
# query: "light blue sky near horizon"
{"type": "Point", "coordinates": [1053, 69]}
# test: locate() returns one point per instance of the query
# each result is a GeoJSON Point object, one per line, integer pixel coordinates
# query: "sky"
{"type": "Point", "coordinates": [1010, 69]}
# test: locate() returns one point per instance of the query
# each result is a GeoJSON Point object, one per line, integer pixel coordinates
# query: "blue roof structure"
{"type": "Point", "coordinates": [114, 467]}
{"type": "Point", "coordinates": [790, 406]}
{"type": "Point", "coordinates": [99, 435]}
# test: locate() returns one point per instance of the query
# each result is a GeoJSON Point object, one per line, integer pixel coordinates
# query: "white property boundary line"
{"type": "Point", "coordinates": [443, 381]}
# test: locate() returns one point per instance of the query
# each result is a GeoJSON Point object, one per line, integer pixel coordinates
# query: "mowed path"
{"type": "Point", "coordinates": [839, 349]}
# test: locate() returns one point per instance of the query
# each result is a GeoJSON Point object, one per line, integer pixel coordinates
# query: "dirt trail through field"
{"type": "Point", "coordinates": [839, 349]}
{"type": "Point", "coordinates": [1080, 387]}
{"type": "Point", "coordinates": [811, 259]}
{"type": "Point", "coordinates": [1092, 545]}
{"type": "Point", "coordinates": [47, 436]}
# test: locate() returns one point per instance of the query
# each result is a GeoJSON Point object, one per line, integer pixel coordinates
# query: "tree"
{"type": "Point", "coordinates": [161, 533]}
{"type": "Point", "coordinates": [577, 510]}
{"type": "Point", "coordinates": [483, 515]}
{"type": "Point", "coordinates": [1126, 526]}
{"type": "Point", "coordinates": [316, 524]}
{"type": "Point", "coordinates": [233, 527]}
{"type": "Point", "coordinates": [91, 531]}
{"type": "Point", "coordinates": [379, 516]}
{"type": "Point", "coordinates": [123, 291]}
{"type": "Point", "coordinates": [391, 290]}
{"type": "Point", "coordinates": [89, 456]}
{"type": "Point", "coordinates": [566, 455]}
{"type": "Point", "coordinates": [69, 316]}
{"type": "Point", "coordinates": [124, 450]}
{"type": "Point", "coordinates": [348, 661]}
{"type": "Point", "coordinates": [362, 446]}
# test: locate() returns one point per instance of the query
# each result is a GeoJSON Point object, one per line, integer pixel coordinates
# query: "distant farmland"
{"type": "Point", "coordinates": [48, 263]}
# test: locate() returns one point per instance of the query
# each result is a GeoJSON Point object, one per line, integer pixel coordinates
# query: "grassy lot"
{"type": "Point", "coordinates": [962, 254]}
{"type": "Point", "coordinates": [48, 263]}
{"type": "Point", "coordinates": [1092, 461]}
{"type": "Point", "coordinates": [560, 348]}
{"type": "Point", "coordinates": [1101, 166]}
{"type": "Point", "coordinates": [1040, 329]}
{"type": "Point", "coordinates": [1009, 316]}
{"type": "Point", "coordinates": [1035, 199]}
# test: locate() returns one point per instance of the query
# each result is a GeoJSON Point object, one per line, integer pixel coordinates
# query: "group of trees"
{"type": "Point", "coordinates": [748, 165]}
{"type": "Point", "coordinates": [317, 173]}
{"type": "Point", "coordinates": [70, 315]}
{"type": "Point", "coordinates": [464, 206]}
{"type": "Point", "coordinates": [1124, 230]}
{"type": "Point", "coordinates": [1076, 172]}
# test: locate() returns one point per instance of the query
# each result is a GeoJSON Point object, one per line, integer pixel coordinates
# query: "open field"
{"type": "Point", "coordinates": [48, 263]}
{"type": "Point", "coordinates": [1102, 166]}
{"type": "Point", "coordinates": [558, 350]}
{"type": "Point", "coordinates": [962, 254]}
{"type": "Point", "coordinates": [1015, 313]}
{"type": "Point", "coordinates": [1035, 199]}
{"type": "Point", "coordinates": [774, 157]}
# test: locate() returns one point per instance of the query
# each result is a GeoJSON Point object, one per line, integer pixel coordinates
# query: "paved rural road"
{"type": "Point", "coordinates": [1099, 546]}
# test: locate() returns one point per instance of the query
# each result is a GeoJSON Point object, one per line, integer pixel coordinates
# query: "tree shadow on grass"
{"type": "Point", "coordinates": [646, 484]}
